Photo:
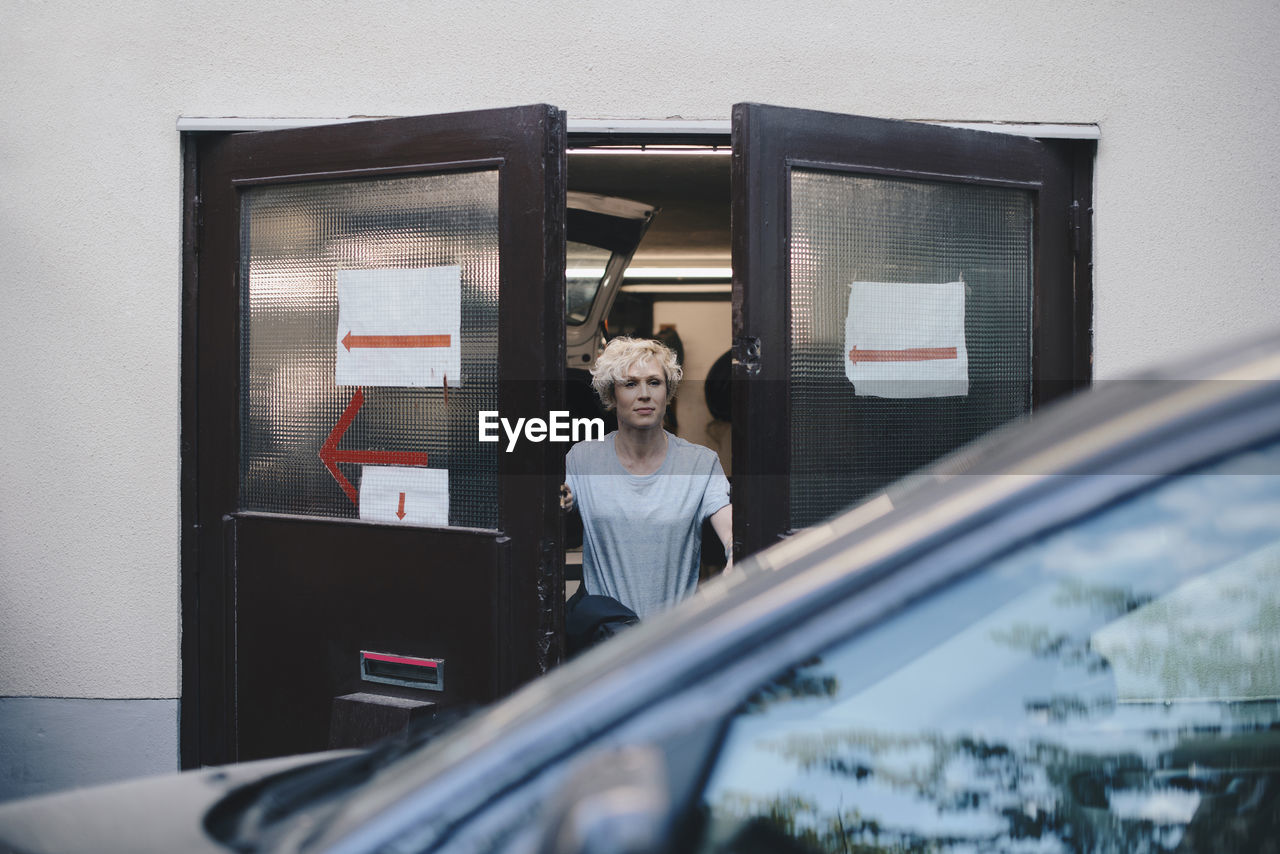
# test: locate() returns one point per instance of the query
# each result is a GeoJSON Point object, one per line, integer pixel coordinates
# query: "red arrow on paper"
{"type": "Point", "coordinates": [394, 341]}
{"type": "Point", "coordinates": [400, 509]}
{"type": "Point", "coordinates": [330, 455]}
{"type": "Point", "coordinates": [910, 354]}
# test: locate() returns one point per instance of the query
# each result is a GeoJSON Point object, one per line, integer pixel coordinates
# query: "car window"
{"type": "Point", "coordinates": [584, 272]}
{"type": "Point", "coordinates": [1112, 686]}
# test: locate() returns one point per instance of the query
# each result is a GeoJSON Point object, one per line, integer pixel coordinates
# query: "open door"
{"type": "Point", "coordinates": [899, 289]}
{"type": "Point", "coordinates": [359, 293]}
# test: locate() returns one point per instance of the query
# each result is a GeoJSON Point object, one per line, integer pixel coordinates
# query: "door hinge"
{"type": "Point", "coordinates": [746, 352]}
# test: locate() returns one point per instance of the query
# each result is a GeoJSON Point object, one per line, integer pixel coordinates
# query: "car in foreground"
{"type": "Point", "coordinates": [1063, 638]}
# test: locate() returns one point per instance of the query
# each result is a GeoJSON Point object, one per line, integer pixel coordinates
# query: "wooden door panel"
{"type": "Point", "coordinates": [264, 578]}
{"type": "Point", "coordinates": [828, 206]}
{"type": "Point", "coordinates": [311, 595]}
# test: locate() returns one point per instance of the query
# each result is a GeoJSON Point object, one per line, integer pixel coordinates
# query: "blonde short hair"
{"type": "Point", "coordinates": [621, 354]}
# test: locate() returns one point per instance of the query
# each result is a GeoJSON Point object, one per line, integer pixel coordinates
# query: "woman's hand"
{"type": "Point", "coordinates": [566, 498]}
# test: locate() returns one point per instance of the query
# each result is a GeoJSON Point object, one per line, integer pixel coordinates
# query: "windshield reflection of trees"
{"type": "Point", "coordinates": [1151, 776]}
{"type": "Point", "coordinates": [1113, 686]}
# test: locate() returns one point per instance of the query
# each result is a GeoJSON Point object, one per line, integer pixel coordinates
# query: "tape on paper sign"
{"type": "Point", "coordinates": [906, 340]}
{"type": "Point", "coordinates": [399, 327]}
{"type": "Point", "coordinates": [405, 495]}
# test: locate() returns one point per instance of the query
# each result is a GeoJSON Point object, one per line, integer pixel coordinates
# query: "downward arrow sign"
{"type": "Point", "coordinates": [400, 509]}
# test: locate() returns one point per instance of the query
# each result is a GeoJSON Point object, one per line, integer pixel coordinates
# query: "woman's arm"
{"type": "Point", "coordinates": [722, 524]}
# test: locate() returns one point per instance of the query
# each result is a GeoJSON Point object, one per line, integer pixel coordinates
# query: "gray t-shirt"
{"type": "Point", "coordinates": [642, 534]}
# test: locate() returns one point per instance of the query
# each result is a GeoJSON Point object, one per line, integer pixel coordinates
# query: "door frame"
{"type": "Point", "coordinates": [201, 595]}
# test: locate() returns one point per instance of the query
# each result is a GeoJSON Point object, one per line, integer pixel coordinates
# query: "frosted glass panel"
{"type": "Point", "coordinates": [437, 232]}
{"type": "Point", "coordinates": [938, 277]}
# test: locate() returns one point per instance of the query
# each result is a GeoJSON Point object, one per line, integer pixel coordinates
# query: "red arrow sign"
{"type": "Point", "coordinates": [400, 509]}
{"type": "Point", "coordinates": [330, 455]}
{"type": "Point", "coordinates": [910, 354]}
{"type": "Point", "coordinates": [394, 341]}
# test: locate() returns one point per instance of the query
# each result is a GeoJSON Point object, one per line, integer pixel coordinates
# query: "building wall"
{"type": "Point", "coordinates": [1188, 206]}
{"type": "Point", "coordinates": [48, 744]}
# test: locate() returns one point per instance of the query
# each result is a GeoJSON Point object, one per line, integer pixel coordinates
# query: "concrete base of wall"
{"type": "Point", "coordinates": [49, 743]}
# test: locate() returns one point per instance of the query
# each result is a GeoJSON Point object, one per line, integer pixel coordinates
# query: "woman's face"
{"type": "Point", "coordinates": [641, 395]}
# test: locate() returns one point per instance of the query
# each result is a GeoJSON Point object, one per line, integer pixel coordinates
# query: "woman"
{"type": "Point", "coordinates": [643, 493]}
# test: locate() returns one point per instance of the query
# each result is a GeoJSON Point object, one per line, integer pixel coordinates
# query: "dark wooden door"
{"type": "Point", "coordinates": [899, 289]}
{"type": "Point", "coordinates": [357, 295]}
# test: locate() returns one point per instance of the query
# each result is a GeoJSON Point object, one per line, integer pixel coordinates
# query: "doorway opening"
{"type": "Point", "coordinates": [676, 286]}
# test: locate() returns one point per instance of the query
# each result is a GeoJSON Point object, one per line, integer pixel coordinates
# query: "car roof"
{"type": "Point", "coordinates": [1118, 428]}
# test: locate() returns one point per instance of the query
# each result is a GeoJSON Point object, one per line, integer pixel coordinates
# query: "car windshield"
{"type": "Point", "coordinates": [1112, 686]}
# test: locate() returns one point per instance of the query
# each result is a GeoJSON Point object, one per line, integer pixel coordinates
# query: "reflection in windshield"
{"type": "Point", "coordinates": [1210, 639]}
{"type": "Point", "coordinates": [1113, 687]}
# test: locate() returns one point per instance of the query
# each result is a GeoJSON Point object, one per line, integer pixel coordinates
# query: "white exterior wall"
{"type": "Point", "coordinates": [1188, 208]}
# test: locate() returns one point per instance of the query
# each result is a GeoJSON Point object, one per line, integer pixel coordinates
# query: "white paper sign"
{"type": "Point", "coordinates": [405, 495]}
{"type": "Point", "coordinates": [906, 340]}
{"type": "Point", "coordinates": [399, 327]}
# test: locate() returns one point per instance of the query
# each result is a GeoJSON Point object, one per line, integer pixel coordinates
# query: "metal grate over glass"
{"type": "Point", "coordinates": [294, 241]}
{"type": "Point", "coordinates": [900, 234]}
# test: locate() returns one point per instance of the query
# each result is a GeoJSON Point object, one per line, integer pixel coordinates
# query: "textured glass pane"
{"type": "Point", "coordinates": [585, 266]}
{"type": "Point", "coordinates": [908, 238]}
{"type": "Point", "coordinates": [295, 240]}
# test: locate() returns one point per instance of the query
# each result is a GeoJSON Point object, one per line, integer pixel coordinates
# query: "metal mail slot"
{"type": "Point", "coordinates": [404, 670]}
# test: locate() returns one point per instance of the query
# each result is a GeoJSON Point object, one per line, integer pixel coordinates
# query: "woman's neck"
{"type": "Point", "coordinates": [640, 451]}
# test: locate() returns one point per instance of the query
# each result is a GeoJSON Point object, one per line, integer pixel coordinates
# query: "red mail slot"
{"type": "Point", "coordinates": [404, 670]}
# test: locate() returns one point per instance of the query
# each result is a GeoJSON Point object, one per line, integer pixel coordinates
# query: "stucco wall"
{"type": "Point", "coordinates": [1188, 207]}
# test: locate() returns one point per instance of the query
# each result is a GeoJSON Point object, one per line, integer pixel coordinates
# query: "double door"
{"type": "Point", "coordinates": [357, 295]}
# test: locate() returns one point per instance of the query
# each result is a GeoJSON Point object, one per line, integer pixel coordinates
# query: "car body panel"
{"type": "Point", "coordinates": [161, 813]}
